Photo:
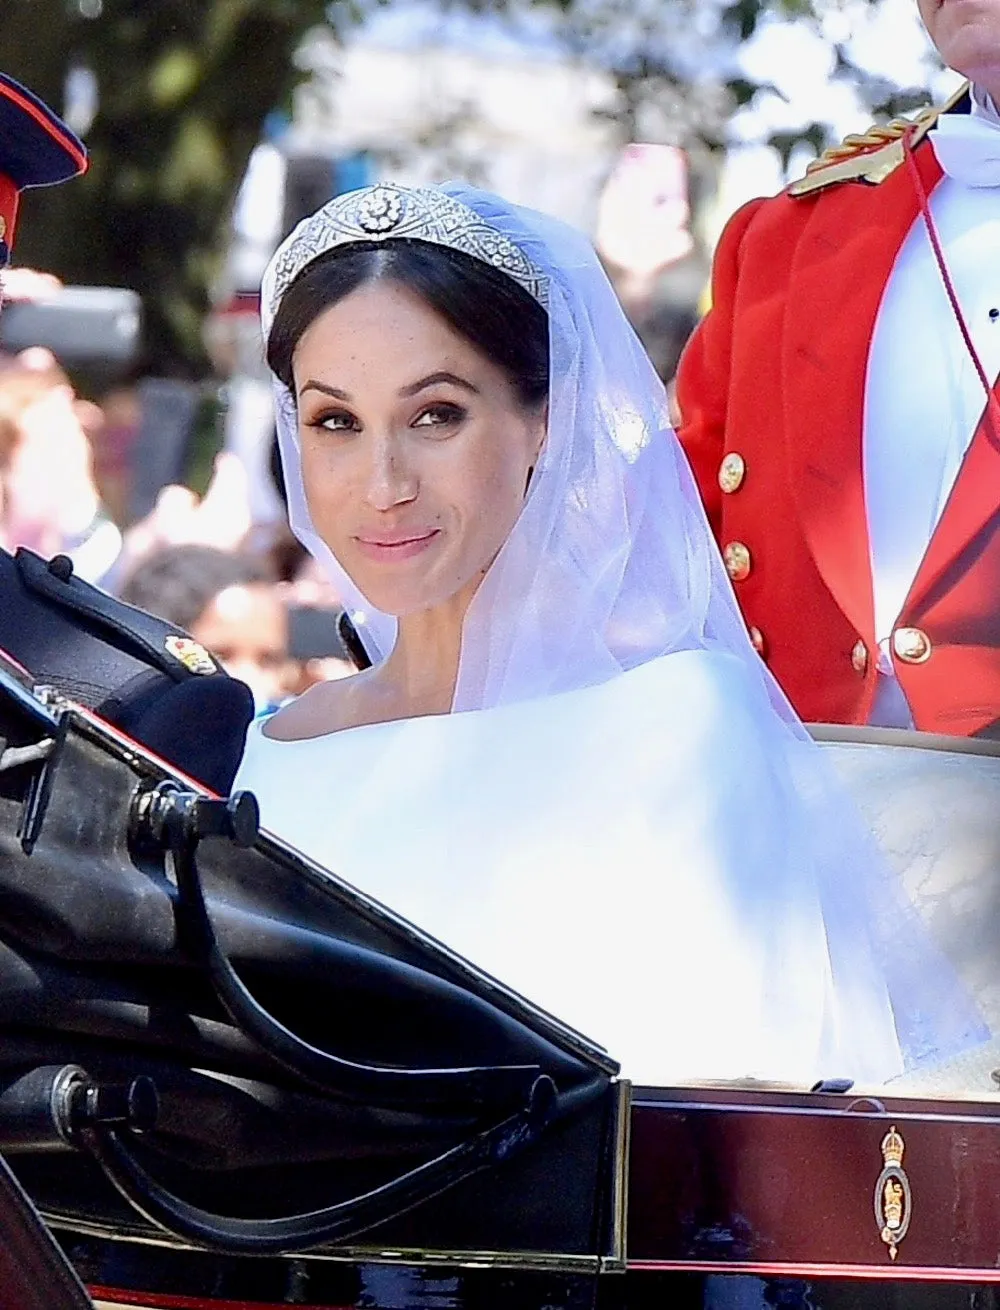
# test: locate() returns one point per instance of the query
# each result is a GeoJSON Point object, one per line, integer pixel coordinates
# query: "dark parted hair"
{"type": "Point", "coordinates": [486, 307]}
{"type": "Point", "coordinates": [178, 583]}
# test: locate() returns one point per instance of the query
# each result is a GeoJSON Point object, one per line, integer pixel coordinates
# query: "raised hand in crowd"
{"type": "Point", "coordinates": [221, 518]}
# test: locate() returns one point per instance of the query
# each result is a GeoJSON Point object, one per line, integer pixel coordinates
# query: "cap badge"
{"type": "Point", "coordinates": [193, 656]}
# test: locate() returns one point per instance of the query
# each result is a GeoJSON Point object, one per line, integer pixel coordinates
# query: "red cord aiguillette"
{"type": "Point", "coordinates": [992, 403]}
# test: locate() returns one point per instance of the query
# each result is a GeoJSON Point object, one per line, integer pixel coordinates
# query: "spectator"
{"type": "Point", "coordinates": [229, 603]}
{"type": "Point", "coordinates": [315, 647]}
{"type": "Point", "coordinates": [220, 518]}
{"type": "Point", "coordinates": [114, 446]}
{"type": "Point", "coordinates": [49, 500]}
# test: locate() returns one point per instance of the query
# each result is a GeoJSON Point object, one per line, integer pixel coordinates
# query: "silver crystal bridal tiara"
{"type": "Point", "coordinates": [414, 213]}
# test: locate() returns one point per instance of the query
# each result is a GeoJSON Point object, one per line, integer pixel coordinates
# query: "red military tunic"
{"type": "Point", "coordinates": [771, 392]}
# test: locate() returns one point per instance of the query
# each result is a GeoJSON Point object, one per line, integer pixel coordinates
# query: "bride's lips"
{"type": "Point", "coordinates": [388, 546]}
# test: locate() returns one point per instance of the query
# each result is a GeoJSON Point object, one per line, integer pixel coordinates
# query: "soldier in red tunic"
{"type": "Point", "coordinates": [36, 149]}
{"type": "Point", "coordinates": [837, 407]}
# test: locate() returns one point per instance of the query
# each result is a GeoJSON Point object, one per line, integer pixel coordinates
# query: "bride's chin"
{"type": "Point", "coordinates": [402, 593]}
{"type": "Point", "coordinates": [399, 602]}
{"type": "Point", "coordinates": [403, 604]}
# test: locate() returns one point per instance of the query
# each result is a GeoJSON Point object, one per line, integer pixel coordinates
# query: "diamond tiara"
{"type": "Point", "coordinates": [415, 213]}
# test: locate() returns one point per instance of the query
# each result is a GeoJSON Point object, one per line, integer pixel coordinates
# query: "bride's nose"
{"type": "Point", "coordinates": [390, 478]}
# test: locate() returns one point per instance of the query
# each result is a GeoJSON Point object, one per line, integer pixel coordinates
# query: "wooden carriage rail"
{"type": "Point", "coordinates": [777, 1184]}
{"type": "Point", "coordinates": [855, 1273]}
{"type": "Point", "coordinates": [852, 735]}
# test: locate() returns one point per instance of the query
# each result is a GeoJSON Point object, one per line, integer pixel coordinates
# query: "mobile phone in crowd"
{"type": "Point", "coordinates": [318, 633]}
{"type": "Point", "coordinates": [84, 327]}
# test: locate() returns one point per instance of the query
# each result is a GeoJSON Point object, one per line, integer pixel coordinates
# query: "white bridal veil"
{"type": "Point", "coordinates": [612, 565]}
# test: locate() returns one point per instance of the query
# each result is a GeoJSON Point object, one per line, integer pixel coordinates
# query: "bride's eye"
{"type": "Point", "coordinates": [438, 416]}
{"type": "Point", "coordinates": [338, 420]}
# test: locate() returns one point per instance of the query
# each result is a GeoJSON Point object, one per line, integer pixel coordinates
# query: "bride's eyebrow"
{"type": "Point", "coordinates": [432, 380]}
{"type": "Point", "coordinates": [313, 385]}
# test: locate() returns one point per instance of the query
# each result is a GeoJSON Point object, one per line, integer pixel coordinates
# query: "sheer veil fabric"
{"type": "Point", "coordinates": [612, 566]}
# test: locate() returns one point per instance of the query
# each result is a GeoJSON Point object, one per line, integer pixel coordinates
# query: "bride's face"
{"type": "Point", "coordinates": [416, 449]}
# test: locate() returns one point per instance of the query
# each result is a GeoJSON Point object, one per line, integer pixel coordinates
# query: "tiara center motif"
{"type": "Point", "coordinates": [380, 210]}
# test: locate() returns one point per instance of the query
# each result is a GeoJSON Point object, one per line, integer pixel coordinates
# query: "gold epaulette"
{"type": "Point", "coordinates": [870, 156]}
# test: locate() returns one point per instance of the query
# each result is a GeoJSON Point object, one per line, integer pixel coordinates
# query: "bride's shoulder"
{"type": "Point", "coordinates": [312, 722]}
{"type": "Point", "coordinates": [708, 681]}
{"type": "Point", "coordinates": [325, 708]}
{"type": "Point", "coordinates": [709, 698]}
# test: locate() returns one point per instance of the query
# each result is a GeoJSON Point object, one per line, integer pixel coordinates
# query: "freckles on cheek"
{"type": "Point", "coordinates": [322, 487]}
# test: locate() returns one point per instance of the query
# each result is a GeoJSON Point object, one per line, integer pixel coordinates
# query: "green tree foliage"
{"type": "Point", "coordinates": [669, 61]}
{"type": "Point", "coordinates": [185, 86]}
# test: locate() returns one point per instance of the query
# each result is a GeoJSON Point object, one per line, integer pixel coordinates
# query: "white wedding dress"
{"type": "Point", "coordinates": [622, 818]}
{"type": "Point", "coordinates": [590, 850]}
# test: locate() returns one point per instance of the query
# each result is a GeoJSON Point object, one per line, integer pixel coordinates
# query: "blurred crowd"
{"type": "Point", "coordinates": [245, 590]}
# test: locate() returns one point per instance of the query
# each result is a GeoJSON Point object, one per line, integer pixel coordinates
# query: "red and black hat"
{"type": "Point", "coordinates": [36, 149]}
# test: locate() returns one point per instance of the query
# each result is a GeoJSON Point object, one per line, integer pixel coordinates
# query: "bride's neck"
{"type": "Point", "coordinates": [422, 670]}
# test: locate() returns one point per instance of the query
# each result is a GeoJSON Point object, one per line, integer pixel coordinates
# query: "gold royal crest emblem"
{"type": "Point", "coordinates": [193, 656]}
{"type": "Point", "coordinates": [892, 1194]}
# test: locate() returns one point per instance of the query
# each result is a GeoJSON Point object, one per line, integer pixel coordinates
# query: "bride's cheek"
{"type": "Point", "coordinates": [324, 480]}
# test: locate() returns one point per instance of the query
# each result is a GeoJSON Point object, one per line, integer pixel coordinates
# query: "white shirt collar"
{"type": "Point", "coordinates": [968, 145]}
{"type": "Point", "coordinates": [983, 106]}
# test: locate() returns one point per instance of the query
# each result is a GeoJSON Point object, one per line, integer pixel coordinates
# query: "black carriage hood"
{"type": "Point", "coordinates": [99, 969]}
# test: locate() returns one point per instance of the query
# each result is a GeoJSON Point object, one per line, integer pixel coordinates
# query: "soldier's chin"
{"type": "Point", "coordinates": [967, 36]}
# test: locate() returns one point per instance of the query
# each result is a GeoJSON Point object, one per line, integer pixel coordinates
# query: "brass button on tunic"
{"type": "Point", "coordinates": [738, 562]}
{"type": "Point", "coordinates": [911, 645]}
{"type": "Point", "coordinates": [732, 471]}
